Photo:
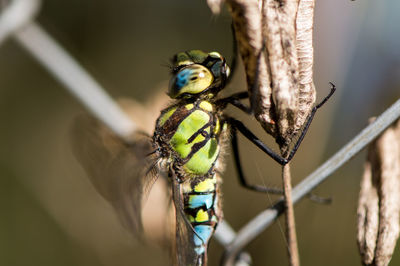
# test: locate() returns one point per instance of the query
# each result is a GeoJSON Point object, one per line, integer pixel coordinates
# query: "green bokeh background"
{"type": "Point", "coordinates": [51, 214]}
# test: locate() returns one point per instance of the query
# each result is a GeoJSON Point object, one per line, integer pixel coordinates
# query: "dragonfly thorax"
{"type": "Point", "coordinates": [190, 133]}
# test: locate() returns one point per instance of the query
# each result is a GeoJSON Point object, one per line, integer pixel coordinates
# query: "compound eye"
{"type": "Point", "coordinates": [192, 79]}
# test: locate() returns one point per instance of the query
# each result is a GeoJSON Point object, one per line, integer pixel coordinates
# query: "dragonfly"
{"type": "Point", "coordinates": [186, 148]}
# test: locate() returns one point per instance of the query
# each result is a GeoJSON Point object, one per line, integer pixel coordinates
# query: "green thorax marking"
{"type": "Point", "coordinates": [191, 133]}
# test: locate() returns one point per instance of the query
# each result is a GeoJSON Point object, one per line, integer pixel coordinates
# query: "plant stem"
{"type": "Point", "coordinates": [289, 217]}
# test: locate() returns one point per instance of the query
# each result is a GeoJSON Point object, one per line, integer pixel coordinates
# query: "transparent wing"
{"type": "Point", "coordinates": [184, 250]}
{"type": "Point", "coordinates": [123, 174]}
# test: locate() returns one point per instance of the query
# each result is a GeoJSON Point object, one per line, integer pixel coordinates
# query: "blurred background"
{"type": "Point", "coordinates": [52, 215]}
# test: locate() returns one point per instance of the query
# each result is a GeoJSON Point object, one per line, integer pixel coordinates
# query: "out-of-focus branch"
{"type": "Point", "coordinates": [226, 235]}
{"type": "Point", "coordinates": [17, 14]}
{"type": "Point", "coordinates": [75, 78]}
{"type": "Point", "coordinates": [17, 21]}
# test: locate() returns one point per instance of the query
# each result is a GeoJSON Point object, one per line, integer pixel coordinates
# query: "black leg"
{"type": "Point", "coordinates": [239, 169]}
{"type": "Point", "coordinates": [233, 63]}
{"type": "Point", "coordinates": [238, 96]}
{"type": "Point", "coordinates": [250, 136]}
{"type": "Point", "coordinates": [234, 99]}
{"type": "Point", "coordinates": [246, 109]}
{"type": "Point", "coordinates": [309, 120]}
{"type": "Point", "coordinates": [236, 124]}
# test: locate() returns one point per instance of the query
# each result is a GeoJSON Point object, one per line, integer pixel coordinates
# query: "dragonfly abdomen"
{"type": "Point", "coordinates": [189, 136]}
{"type": "Point", "coordinates": [201, 207]}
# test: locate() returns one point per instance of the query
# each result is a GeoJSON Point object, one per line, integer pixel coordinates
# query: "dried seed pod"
{"type": "Point", "coordinates": [280, 33]}
{"type": "Point", "coordinates": [247, 20]}
{"type": "Point", "coordinates": [305, 54]}
{"type": "Point", "coordinates": [384, 175]}
{"type": "Point", "coordinates": [280, 77]}
{"type": "Point", "coordinates": [367, 217]}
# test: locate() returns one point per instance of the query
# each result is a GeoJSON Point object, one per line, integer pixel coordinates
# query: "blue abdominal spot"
{"type": "Point", "coordinates": [199, 250]}
{"type": "Point", "coordinates": [204, 233]}
{"type": "Point", "coordinates": [196, 201]}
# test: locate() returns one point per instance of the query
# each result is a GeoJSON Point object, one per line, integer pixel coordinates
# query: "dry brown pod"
{"type": "Point", "coordinates": [379, 200]}
{"type": "Point", "coordinates": [275, 43]}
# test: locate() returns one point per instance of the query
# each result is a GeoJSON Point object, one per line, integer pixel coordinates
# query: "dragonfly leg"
{"type": "Point", "coordinates": [237, 125]}
{"type": "Point", "coordinates": [242, 179]}
{"type": "Point", "coordinates": [309, 120]}
{"type": "Point", "coordinates": [234, 99]}
{"type": "Point", "coordinates": [233, 63]}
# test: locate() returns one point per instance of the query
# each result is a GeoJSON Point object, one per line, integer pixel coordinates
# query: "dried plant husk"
{"type": "Point", "coordinates": [367, 216]}
{"type": "Point", "coordinates": [305, 55]}
{"type": "Point", "coordinates": [379, 201]}
{"type": "Point", "coordinates": [247, 20]}
{"type": "Point", "coordinates": [275, 43]}
{"type": "Point", "coordinates": [279, 28]}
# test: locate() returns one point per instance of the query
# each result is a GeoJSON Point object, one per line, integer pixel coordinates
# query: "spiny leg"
{"type": "Point", "coordinates": [258, 188]}
{"type": "Point", "coordinates": [249, 135]}
{"type": "Point", "coordinates": [234, 99]}
{"type": "Point", "coordinates": [242, 179]}
{"type": "Point", "coordinates": [233, 64]}
{"type": "Point", "coordinates": [309, 120]}
{"type": "Point", "coordinates": [236, 124]}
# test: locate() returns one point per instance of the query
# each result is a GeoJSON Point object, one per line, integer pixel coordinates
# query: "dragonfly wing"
{"type": "Point", "coordinates": [122, 173]}
{"type": "Point", "coordinates": [183, 251]}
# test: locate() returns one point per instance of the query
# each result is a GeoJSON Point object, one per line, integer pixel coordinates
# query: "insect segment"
{"type": "Point", "coordinates": [189, 135]}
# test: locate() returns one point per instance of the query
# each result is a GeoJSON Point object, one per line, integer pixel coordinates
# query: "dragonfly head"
{"type": "Point", "coordinates": [197, 73]}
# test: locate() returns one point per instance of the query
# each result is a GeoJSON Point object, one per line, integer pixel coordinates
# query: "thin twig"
{"type": "Point", "coordinates": [75, 78]}
{"type": "Point", "coordinates": [226, 235]}
{"type": "Point", "coordinates": [17, 14]}
{"type": "Point", "coordinates": [289, 217]}
{"type": "Point", "coordinates": [259, 223]}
